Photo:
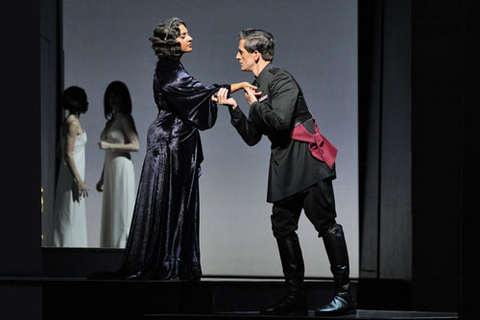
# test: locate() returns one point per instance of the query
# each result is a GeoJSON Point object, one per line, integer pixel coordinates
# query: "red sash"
{"type": "Point", "coordinates": [319, 146]}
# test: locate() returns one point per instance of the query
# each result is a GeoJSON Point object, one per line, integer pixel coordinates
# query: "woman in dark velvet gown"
{"type": "Point", "coordinates": [163, 242]}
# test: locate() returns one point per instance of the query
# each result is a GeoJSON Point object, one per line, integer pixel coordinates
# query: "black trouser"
{"type": "Point", "coordinates": [318, 203]}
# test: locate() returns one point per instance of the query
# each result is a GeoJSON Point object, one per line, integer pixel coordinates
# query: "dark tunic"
{"type": "Point", "coordinates": [164, 236]}
{"type": "Point", "coordinates": [280, 108]}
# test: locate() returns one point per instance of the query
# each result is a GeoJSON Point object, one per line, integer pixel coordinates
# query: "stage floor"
{"type": "Point", "coordinates": [218, 299]}
{"type": "Point", "coordinates": [360, 314]}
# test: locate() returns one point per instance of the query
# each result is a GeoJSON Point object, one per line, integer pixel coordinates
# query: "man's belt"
{"type": "Point", "coordinates": [301, 119]}
{"type": "Point", "coordinates": [319, 146]}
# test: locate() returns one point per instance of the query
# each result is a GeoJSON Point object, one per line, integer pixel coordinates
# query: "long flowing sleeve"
{"type": "Point", "coordinates": [190, 99]}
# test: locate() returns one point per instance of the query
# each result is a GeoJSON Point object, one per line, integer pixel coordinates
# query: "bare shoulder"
{"type": "Point", "coordinates": [72, 125]}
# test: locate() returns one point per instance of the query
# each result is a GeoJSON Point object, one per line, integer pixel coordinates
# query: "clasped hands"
{"type": "Point", "coordinates": [249, 91]}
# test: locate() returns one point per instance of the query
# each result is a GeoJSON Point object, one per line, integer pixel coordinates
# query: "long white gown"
{"type": "Point", "coordinates": [70, 223]}
{"type": "Point", "coordinates": [118, 189]}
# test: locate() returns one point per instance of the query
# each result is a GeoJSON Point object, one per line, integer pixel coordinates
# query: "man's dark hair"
{"type": "Point", "coordinates": [164, 39]}
{"type": "Point", "coordinates": [74, 99]}
{"type": "Point", "coordinates": [259, 40]}
{"type": "Point", "coordinates": [119, 89]}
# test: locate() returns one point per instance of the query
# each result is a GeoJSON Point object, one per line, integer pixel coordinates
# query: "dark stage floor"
{"type": "Point", "coordinates": [80, 298]}
{"type": "Point", "coordinates": [360, 314]}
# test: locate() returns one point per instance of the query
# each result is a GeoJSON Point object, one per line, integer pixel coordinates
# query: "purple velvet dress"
{"type": "Point", "coordinates": [163, 242]}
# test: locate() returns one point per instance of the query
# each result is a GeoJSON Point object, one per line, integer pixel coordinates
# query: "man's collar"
{"type": "Point", "coordinates": [263, 74]}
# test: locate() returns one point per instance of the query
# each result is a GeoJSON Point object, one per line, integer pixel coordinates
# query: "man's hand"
{"type": "Point", "coordinates": [251, 95]}
{"type": "Point", "coordinates": [222, 98]}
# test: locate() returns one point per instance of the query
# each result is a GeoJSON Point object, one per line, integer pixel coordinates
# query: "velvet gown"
{"type": "Point", "coordinates": [163, 243]}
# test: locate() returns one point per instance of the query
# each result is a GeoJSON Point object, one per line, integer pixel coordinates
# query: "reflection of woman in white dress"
{"type": "Point", "coordinates": [118, 139]}
{"type": "Point", "coordinates": [70, 225]}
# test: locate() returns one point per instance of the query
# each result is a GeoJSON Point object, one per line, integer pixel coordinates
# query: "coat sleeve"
{"type": "Point", "coordinates": [277, 114]}
{"type": "Point", "coordinates": [191, 100]}
{"type": "Point", "coordinates": [246, 129]}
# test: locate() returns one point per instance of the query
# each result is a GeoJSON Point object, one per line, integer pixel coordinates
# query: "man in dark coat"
{"type": "Point", "coordinates": [302, 167]}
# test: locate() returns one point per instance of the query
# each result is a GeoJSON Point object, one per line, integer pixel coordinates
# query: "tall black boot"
{"type": "Point", "coordinates": [295, 301]}
{"type": "Point", "coordinates": [336, 247]}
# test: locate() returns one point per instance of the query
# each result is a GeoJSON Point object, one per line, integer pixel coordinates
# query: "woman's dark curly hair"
{"type": "Point", "coordinates": [119, 89]}
{"type": "Point", "coordinates": [74, 99]}
{"type": "Point", "coordinates": [164, 39]}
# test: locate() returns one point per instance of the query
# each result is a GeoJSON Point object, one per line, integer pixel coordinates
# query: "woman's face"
{"type": "Point", "coordinates": [86, 107]}
{"type": "Point", "coordinates": [114, 101]}
{"type": "Point", "coordinates": [184, 39]}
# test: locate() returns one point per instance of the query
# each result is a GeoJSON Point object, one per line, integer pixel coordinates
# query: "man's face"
{"type": "Point", "coordinates": [246, 60]}
{"type": "Point", "coordinates": [184, 39]}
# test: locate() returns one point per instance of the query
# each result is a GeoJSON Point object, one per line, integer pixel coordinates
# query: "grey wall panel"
{"type": "Point", "coordinates": [316, 42]}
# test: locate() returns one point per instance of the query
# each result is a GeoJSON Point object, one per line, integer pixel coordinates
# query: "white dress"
{"type": "Point", "coordinates": [118, 189]}
{"type": "Point", "coordinates": [70, 223]}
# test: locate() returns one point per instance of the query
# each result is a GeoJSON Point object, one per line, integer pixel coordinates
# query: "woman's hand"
{"type": "Point", "coordinates": [80, 191]}
{"type": "Point", "coordinates": [223, 99]}
{"type": "Point", "coordinates": [83, 189]}
{"type": "Point", "coordinates": [234, 87]}
{"type": "Point", "coordinates": [99, 185]}
{"type": "Point", "coordinates": [246, 85]}
{"type": "Point", "coordinates": [104, 145]}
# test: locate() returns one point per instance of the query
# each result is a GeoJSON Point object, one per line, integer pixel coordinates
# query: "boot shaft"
{"type": "Point", "coordinates": [291, 257]}
{"type": "Point", "coordinates": [336, 248]}
{"type": "Point", "coordinates": [293, 266]}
